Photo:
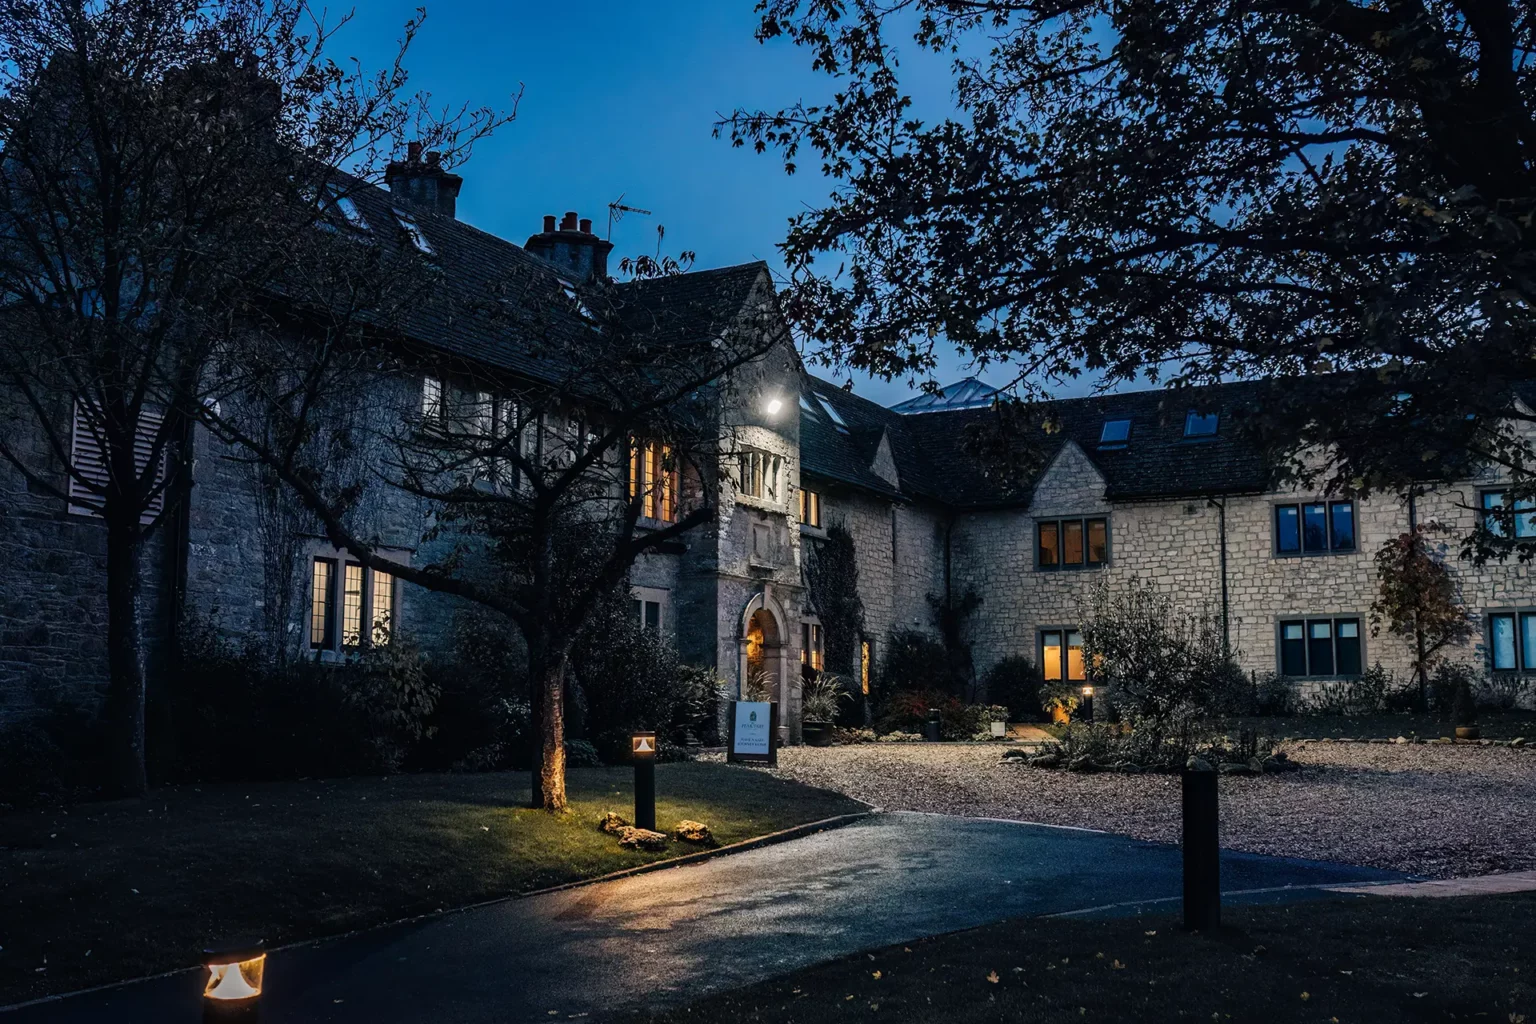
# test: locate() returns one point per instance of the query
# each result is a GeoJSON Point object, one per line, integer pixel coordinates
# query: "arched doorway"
{"type": "Point", "coordinates": [765, 659]}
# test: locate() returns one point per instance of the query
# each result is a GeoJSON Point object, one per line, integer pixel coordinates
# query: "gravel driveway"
{"type": "Point", "coordinates": [1430, 810]}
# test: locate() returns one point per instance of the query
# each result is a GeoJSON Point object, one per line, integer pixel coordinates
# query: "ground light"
{"type": "Point", "coordinates": [233, 992]}
{"type": "Point", "coordinates": [1088, 704]}
{"type": "Point", "coordinates": [643, 750]}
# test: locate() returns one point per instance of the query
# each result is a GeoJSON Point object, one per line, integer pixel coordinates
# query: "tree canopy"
{"type": "Point", "coordinates": [1335, 193]}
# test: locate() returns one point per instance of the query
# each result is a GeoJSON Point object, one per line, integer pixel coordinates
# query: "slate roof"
{"type": "Point", "coordinates": [969, 393]}
{"type": "Point", "coordinates": [496, 300]}
{"type": "Point", "coordinates": [935, 454]}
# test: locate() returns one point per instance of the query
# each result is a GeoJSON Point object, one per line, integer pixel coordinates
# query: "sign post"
{"type": "Point", "coordinates": [754, 733]}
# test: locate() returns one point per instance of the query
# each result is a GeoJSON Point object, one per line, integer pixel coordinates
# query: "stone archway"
{"type": "Point", "coordinates": [764, 653]}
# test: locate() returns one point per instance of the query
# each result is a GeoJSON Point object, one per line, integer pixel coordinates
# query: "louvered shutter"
{"type": "Point", "coordinates": [90, 462]}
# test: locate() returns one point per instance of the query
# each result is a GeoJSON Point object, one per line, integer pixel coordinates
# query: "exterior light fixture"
{"type": "Point", "coordinates": [1087, 704]}
{"type": "Point", "coordinates": [774, 405]}
{"type": "Point", "coordinates": [642, 749]}
{"type": "Point", "coordinates": [233, 992]}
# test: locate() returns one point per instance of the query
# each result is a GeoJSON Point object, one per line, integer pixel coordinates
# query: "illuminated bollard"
{"type": "Point", "coordinates": [643, 750]}
{"type": "Point", "coordinates": [233, 992]}
{"type": "Point", "coordinates": [1087, 705]}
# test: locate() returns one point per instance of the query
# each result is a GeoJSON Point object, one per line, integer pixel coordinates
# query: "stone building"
{"type": "Point", "coordinates": [1156, 485]}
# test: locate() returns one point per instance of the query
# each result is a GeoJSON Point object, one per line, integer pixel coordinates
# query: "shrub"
{"type": "Point", "coordinates": [914, 662]}
{"type": "Point", "coordinates": [1159, 668]}
{"type": "Point", "coordinates": [1015, 684]}
{"type": "Point", "coordinates": [907, 712]}
{"type": "Point", "coordinates": [632, 678]}
{"type": "Point", "coordinates": [1366, 695]}
{"type": "Point", "coordinates": [1463, 707]}
{"type": "Point", "coordinates": [1448, 678]}
{"type": "Point", "coordinates": [1502, 692]}
{"type": "Point", "coordinates": [581, 754]}
{"type": "Point", "coordinates": [1274, 696]}
{"type": "Point", "coordinates": [38, 766]}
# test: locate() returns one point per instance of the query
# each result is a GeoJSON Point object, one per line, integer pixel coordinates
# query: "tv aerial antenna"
{"type": "Point", "coordinates": [617, 210]}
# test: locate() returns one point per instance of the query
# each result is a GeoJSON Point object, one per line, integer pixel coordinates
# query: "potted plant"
{"type": "Point", "coordinates": [1464, 713]}
{"type": "Point", "coordinates": [1060, 700]}
{"type": "Point", "coordinates": [820, 700]}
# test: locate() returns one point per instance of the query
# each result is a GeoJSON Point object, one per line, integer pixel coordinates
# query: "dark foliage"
{"type": "Point", "coordinates": [913, 661]}
{"type": "Point", "coordinates": [908, 710]}
{"type": "Point", "coordinates": [1336, 193]}
{"type": "Point", "coordinates": [1015, 684]}
{"type": "Point", "coordinates": [832, 577]}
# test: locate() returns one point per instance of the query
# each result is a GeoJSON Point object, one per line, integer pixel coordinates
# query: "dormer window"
{"type": "Point", "coordinates": [1116, 433]}
{"type": "Point", "coordinates": [1200, 424]}
{"type": "Point", "coordinates": [413, 231]}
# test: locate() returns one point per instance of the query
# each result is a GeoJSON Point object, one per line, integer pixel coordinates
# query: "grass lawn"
{"type": "Point", "coordinates": [101, 892]}
{"type": "Point", "coordinates": [1361, 959]}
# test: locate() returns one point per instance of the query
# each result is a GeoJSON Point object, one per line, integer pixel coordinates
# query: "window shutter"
{"type": "Point", "coordinates": [90, 462]}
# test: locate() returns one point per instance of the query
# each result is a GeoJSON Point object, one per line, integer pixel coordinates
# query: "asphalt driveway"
{"type": "Point", "coordinates": [670, 936]}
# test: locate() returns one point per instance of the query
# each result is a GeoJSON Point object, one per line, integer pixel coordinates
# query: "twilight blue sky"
{"type": "Point", "coordinates": [621, 97]}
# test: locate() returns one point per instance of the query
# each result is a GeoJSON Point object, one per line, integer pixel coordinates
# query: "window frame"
{"type": "Point", "coordinates": [1299, 506]}
{"type": "Point", "coordinates": [813, 644]}
{"type": "Point", "coordinates": [751, 463]}
{"type": "Point", "coordinates": [1066, 633]}
{"type": "Point", "coordinates": [1084, 525]}
{"type": "Point", "coordinates": [1205, 435]}
{"type": "Point", "coordinates": [1524, 650]}
{"type": "Point", "coordinates": [1307, 622]}
{"type": "Point", "coordinates": [648, 458]}
{"type": "Point", "coordinates": [661, 598]}
{"type": "Point", "coordinates": [811, 511]}
{"type": "Point", "coordinates": [1514, 511]}
{"type": "Point", "coordinates": [335, 644]}
{"type": "Point", "coordinates": [1112, 444]}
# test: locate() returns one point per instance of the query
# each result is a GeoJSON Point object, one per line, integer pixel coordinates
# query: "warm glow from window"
{"type": "Point", "coordinates": [383, 607]}
{"type": "Point", "coordinates": [865, 656]}
{"type": "Point", "coordinates": [653, 479]}
{"type": "Point", "coordinates": [811, 652]}
{"type": "Point", "coordinates": [352, 606]}
{"type": "Point", "coordinates": [1050, 655]}
{"type": "Point", "coordinates": [810, 507]}
{"type": "Point", "coordinates": [1075, 657]}
{"type": "Point", "coordinates": [320, 603]}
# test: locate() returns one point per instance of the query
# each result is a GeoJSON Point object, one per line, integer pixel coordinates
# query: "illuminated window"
{"type": "Point", "coordinates": [352, 606]}
{"type": "Point", "coordinates": [1071, 544]}
{"type": "Point", "coordinates": [383, 607]}
{"type": "Point", "coordinates": [866, 662]}
{"type": "Point", "coordinates": [811, 652]}
{"type": "Point", "coordinates": [653, 480]}
{"type": "Point", "coordinates": [322, 608]}
{"type": "Point", "coordinates": [757, 474]}
{"type": "Point", "coordinates": [1062, 650]}
{"type": "Point", "coordinates": [810, 508]}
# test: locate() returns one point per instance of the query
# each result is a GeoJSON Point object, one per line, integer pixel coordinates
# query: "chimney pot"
{"type": "Point", "coordinates": [434, 158]}
{"type": "Point", "coordinates": [549, 222]}
{"type": "Point", "coordinates": [586, 225]}
{"type": "Point", "coordinates": [413, 151]}
{"type": "Point", "coordinates": [568, 222]}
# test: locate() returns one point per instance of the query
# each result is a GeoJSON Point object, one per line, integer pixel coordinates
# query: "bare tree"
{"type": "Point", "coordinates": [543, 486]}
{"type": "Point", "coordinates": [170, 197]}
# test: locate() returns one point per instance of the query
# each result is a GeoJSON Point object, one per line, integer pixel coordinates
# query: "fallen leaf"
{"type": "Point", "coordinates": [1150, 933]}
{"type": "Point", "coordinates": [1098, 956]}
{"type": "Point", "coordinates": [992, 977]}
{"type": "Point", "coordinates": [847, 998]}
{"type": "Point", "coordinates": [875, 975]}
{"type": "Point", "coordinates": [1420, 995]}
{"type": "Point", "coordinates": [1305, 996]}
{"type": "Point", "coordinates": [1346, 972]}
{"type": "Point", "coordinates": [1117, 965]}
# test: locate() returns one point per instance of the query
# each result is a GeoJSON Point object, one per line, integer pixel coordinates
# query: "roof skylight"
{"type": "Point", "coordinates": [1200, 424]}
{"type": "Point", "coordinates": [350, 211]}
{"type": "Point", "coordinates": [837, 420]}
{"type": "Point", "coordinates": [413, 231]}
{"type": "Point", "coordinates": [1116, 433]}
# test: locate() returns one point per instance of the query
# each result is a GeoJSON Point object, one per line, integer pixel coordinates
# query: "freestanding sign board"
{"type": "Point", "coordinates": [754, 737]}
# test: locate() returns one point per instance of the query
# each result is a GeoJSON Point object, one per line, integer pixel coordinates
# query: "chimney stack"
{"type": "Point", "coordinates": [573, 248]}
{"type": "Point", "coordinates": [423, 182]}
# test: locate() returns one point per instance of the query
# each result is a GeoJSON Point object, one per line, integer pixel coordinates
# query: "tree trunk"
{"type": "Point", "coordinates": [536, 672]}
{"type": "Point", "coordinates": [1423, 670]}
{"type": "Point", "coordinates": [125, 659]}
{"type": "Point", "coordinates": [552, 735]}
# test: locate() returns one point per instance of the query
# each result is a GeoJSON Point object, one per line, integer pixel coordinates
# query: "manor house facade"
{"type": "Point", "coordinates": [1157, 485]}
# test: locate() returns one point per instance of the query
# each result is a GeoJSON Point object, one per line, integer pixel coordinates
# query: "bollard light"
{"type": "Point", "coordinates": [1087, 704]}
{"type": "Point", "coordinates": [642, 748]}
{"type": "Point", "coordinates": [233, 991]}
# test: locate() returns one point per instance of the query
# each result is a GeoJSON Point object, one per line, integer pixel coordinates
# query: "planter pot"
{"type": "Point", "coordinates": [1469, 732]}
{"type": "Point", "coordinates": [999, 730]}
{"type": "Point", "coordinates": [817, 734]}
